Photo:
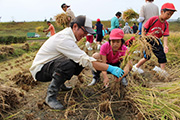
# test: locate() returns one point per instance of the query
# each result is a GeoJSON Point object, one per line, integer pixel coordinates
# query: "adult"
{"type": "Point", "coordinates": [135, 28]}
{"type": "Point", "coordinates": [115, 21]}
{"type": "Point", "coordinates": [59, 58]}
{"type": "Point", "coordinates": [112, 53]}
{"type": "Point", "coordinates": [50, 28]}
{"type": "Point", "coordinates": [68, 11]}
{"type": "Point", "coordinates": [149, 9]}
{"type": "Point", "coordinates": [127, 29]}
{"type": "Point", "coordinates": [99, 32]}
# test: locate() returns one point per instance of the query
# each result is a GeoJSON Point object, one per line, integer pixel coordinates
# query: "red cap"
{"type": "Point", "coordinates": [130, 40]}
{"type": "Point", "coordinates": [168, 6]}
{"type": "Point", "coordinates": [98, 20]}
{"type": "Point", "coordinates": [116, 34]}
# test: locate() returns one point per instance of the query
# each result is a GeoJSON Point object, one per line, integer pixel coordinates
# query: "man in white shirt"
{"type": "Point", "coordinates": [59, 58]}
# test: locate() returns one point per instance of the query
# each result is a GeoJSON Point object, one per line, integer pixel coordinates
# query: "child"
{"type": "Point", "coordinates": [99, 31]}
{"type": "Point", "coordinates": [111, 52]}
{"type": "Point", "coordinates": [129, 42]}
{"type": "Point", "coordinates": [89, 38]}
{"type": "Point", "coordinates": [158, 27]}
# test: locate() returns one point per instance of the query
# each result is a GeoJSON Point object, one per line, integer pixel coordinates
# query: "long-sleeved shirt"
{"type": "Point", "coordinates": [62, 44]}
{"type": "Point", "coordinates": [114, 23]}
{"type": "Point", "coordinates": [148, 10]}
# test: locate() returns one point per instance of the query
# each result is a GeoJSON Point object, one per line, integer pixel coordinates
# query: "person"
{"type": "Point", "coordinates": [68, 11]}
{"type": "Point", "coordinates": [120, 26]}
{"type": "Point", "coordinates": [135, 28]}
{"type": "Point", "coordinates": [111, 53]}
{"type": "Point", "coordinates": [89, 38]}
{"type": "Point", "coordinates": [149, 9]}
{"type": "Point", "coordinates": [127, 29]}
{"type": "Point", "coordinates": [157, 26]}
{"type": "Point", "coordinates": [99, 32]}
{"type": "Point", "coordinates": [115, 21]}
{"type": "Point", "coordinates": [59, 58]}
{"type": "Point", "coordinates": [51, 28]}
{"type": "Point", "coordinates": [129, 42]}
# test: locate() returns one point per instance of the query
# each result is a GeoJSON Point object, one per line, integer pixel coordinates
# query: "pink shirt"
{"type": "Point", "coordinates": [158, 28]}
{"type": "Point", "coordinates": [52, 30]}
{"type": "Point", "coordinates": [107, 51]}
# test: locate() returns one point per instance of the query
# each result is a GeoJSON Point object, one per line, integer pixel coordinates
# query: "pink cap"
{"type": "Point", "coordinates": [116, 34]}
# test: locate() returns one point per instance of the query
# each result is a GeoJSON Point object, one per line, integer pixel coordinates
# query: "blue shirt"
{"type": "Point", "coordinates": [114, 23]}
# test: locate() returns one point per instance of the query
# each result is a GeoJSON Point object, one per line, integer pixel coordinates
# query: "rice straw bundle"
{"type": "Point", "coordinates": [130, 14]}
{"type": "Point", "coordinates": [39, 29]}
{"type": "Point", "coordinates": [62, 20]}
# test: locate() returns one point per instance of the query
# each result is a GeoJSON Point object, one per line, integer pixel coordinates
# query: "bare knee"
{"type": "Point", "coordinates": [96, 56]}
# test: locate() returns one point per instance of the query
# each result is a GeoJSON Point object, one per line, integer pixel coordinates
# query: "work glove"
{"type": "Point", "coordinates": [118, 72]}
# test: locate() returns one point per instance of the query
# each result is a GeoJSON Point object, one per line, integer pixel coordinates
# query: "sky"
{"type": "Point", "coordinates": [39, 10]}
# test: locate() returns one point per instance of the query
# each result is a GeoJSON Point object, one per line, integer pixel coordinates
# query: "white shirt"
{"type": "Point", "coordinates": [62, 44]}
{"type": "Point", "coordinates": [148, 10]}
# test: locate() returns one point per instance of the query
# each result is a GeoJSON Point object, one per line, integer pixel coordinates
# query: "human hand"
{"type": "Point", "coordinates": [106, 82]}
{"type": "Point", "coordinates": [118, 79]}
{"type": "Point", "coordinates": [166, 49]}
{"type": "Point", "coordinates": [116, 71]}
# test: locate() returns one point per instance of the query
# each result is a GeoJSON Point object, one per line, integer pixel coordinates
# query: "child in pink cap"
{"type": "Point", "coordinates": [111, 53]}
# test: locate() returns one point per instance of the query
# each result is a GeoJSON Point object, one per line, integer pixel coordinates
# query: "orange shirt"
{"type": "Point", "coordinates": [52, 30]}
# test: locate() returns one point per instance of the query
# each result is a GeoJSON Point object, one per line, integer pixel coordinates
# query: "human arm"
{"type": "Point", "coordinates": [47, 30]}
{"type": "Point", "coordinates": [141, 15]}
{"type": "Point", "coordinates": [137, 33]}
{"type": "Point", "coordinates": [165, 39]}
{"type": "Point", "coordinates": [116, 23]}
{"type": "Point", "coordinates": [143, 31]}
{"type": "Point", "coordinates": [104, 73]}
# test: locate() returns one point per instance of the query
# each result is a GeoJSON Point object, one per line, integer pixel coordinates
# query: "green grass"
{"type": "Point", "coordinates": [21, 28]}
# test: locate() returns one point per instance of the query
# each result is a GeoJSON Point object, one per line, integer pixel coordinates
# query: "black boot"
{"type": "Point", "coordinates": [65, 88]}
{"type": "Point", "coordinates": [52, 92]}
{"type": "Point", "coordinates": [96, 78]}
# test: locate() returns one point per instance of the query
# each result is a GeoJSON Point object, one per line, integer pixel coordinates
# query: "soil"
{"type": "Point", "coordinates": [21, 98]}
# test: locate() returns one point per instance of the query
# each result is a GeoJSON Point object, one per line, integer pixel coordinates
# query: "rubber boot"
{"type": "Point", "coordinates": [96, 78]}
{"type": "Point", "coordinates": [52, 92]}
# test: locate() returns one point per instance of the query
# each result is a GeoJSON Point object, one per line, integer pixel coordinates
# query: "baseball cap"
{"type": "Point", "coordinates": [168, 6]}
{"type": "Point", "coordinates": [64, 5]}
{"type": "Point", "coordinates": [129, 41]}
{"type": "Point", "coordinates": [98, 20]}
{"type": "Point", "coordinates": [116, 34]}
{"type": "Point", "coordinates": [84, 21]}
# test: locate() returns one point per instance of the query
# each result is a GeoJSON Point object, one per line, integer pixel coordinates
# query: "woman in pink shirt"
{"type": "Point", "coordinates": [111, 53]}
